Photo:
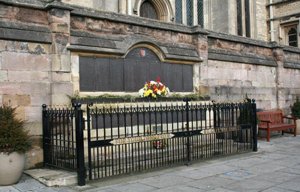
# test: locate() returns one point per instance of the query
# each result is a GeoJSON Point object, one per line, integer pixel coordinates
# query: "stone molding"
{"type": "Point", "coordinates": [224, 55]}
{"type": "Point", "coordinates": [83, 41]}
{"type": "Point", "coordinates": [24, 32]}
{"type": "Point", "coordinates": [239, 39]}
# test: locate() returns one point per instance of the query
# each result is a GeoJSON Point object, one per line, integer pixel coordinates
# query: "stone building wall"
{"type": "Point", "coordinates": [40, 47]}
{"type": "Point", "coordinates": [285, 14]}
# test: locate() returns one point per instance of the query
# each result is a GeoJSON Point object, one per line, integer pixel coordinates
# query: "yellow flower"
{"type": "Point", "coordinates": [147, 93]}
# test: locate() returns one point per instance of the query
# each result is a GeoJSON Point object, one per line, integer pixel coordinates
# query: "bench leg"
{"type": "Point", "coordinates": [295, 131]}
{"type": "Point", "coordinates": [268, 135]}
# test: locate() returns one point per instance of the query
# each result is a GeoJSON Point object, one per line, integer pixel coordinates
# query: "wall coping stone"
{"type": "Point", "coordinates": [239, 39]}
{"type": "Point", "coordinates": [225, 55]}
{"type": "Point", "coordinates": [21, 26]}
{"type": "Point", "coordinates": [138, 21]}
{"type": "Point", "coordinates": [38, 4]}
{"type": "Point", "coordinates": [291, 64]}
{"type": "Point", "coordinates": [291, 49]}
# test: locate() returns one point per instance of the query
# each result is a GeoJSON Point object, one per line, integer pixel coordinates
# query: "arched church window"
{"type": "Point", "coordinates": [292, 37]}
{"type": "Point", "coordinates": [148, 10]}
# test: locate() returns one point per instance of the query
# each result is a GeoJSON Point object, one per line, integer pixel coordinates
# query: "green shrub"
{"type": "Point", "coordinates": [13, 137]}
{"type": "Point", "coordinates": [296, 108]}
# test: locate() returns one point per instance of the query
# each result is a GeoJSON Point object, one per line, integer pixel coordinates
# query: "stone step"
{"type": "Point", "coordinates": [51, 177]}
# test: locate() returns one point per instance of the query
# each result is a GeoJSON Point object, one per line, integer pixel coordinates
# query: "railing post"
{"type": "Point", "coordinates": [81, 173]}
{"type": "Point", "coordinates": [254, 124]}
{"type": "Point", "coordinates": [45, 135]}
{"type": "Point", "coordinates": [188, 143]}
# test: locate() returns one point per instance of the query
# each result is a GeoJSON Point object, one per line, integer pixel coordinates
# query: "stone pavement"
{"type": "Point", "coordinates": [275, 168]}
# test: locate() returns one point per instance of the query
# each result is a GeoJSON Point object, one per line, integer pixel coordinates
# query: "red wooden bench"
{"type": "Point", "coordinates": [274, 121]}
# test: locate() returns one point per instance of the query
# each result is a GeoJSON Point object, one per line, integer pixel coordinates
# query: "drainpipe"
{"type": "Point", "coordinates": [271, 21]}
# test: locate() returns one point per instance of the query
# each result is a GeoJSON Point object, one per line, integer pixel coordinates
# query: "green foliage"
{"type": "Point", "coordinates": [13, 137]}
{"type": "Point", "coordinates": [296, 108]}
{"type": "Point", "coordinates": [131, 98]}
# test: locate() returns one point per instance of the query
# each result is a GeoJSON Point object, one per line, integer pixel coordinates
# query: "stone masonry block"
{"type": "Point", "coordinates": [60, 99]}
{"type": "Point", "coordinates": [28, 76]}
{"type": "Point", "coordinates": [37, 48]}
{"type": "Point", "coordinates": [34, 114]}
{"type": "Point", "coordinates": [3, 76]}
{"type": "Point", "coordinates": [10, 88]}
{"type": "Point", "coordinates": [42, 98]}
{"type": "Point", "coordinates": [34, 88]}
{"type": "Point", "coordinates": [58, 16]}
{"type": "Point", "coordinates": [25, 62]}
{"type": "Point", "coordinates": [61, 77]}
{"type": "Point", "coordinates": [61, 63]}
{"type": "Point", "coordinates": [60, 42]}
{"type": "Point", "coordinates": [62, 88]}
{"type": "Point", "coordinates": [17, 100]}
{"type": "Point", "coordinates": [60, 28]}
{"type": "Point", "coordinates": [2, 45]}
{"type": "Point", "coordinates": [32, 15]}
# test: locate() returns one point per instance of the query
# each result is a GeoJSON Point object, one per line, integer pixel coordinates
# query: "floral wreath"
{"type": "Point", "coordinates": [154, 89]}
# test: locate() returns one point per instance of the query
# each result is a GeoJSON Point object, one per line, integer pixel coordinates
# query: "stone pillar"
{"type": "Point", "coordinates": [61, 86]}
{"type": "Point", "coordinates": [279, 58]}
{"type": "Point", "coordinates": [129, 7]}
{"type": "Point", "coordinates": [199, 70]}
{"type": "Point", "coordinates": [122, 6]}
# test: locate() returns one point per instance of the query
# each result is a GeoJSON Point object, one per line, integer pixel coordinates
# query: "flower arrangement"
{"type": "Point", "coordinates": [154, 89]}
{"type": "Point", "coordinates": [159, 144]}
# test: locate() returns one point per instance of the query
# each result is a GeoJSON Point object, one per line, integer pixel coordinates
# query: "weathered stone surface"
{"type": "Point", "coordinates": [3, 75]}
{"type": "Point", "coordinates": [59, 43]}
{"type": "Point", "coordinates": [61, 62]}
{"type": "Point", "coordinates": [25, 62]}
{"type": "Point", "coordinates": [17, 34]}
{"type": "Point", "coordinates": [38, 48]}
{"type": "Point", "coordinates": [28, 76]}
{"type": "Point", "coordinates": [32, 16]}
{"type": "Point", "coordinates": [16, 100]}
{"type": "Point", "coordinates": [34, 158]}
{"type": "Point", "coordinates": [61, 77]}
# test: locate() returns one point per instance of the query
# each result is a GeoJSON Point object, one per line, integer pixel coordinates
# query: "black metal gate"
{"type": "Point", "coordinates": [125, 138]}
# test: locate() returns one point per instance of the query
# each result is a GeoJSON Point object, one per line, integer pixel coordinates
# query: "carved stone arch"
{"type": "Point", "coordinates": [163, 7]}
{"type": "Point", "coordinates": [153, 47]}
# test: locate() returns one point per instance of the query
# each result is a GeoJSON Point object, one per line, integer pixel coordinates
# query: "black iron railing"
{"type": "Point", "coordinates": [130, 137]}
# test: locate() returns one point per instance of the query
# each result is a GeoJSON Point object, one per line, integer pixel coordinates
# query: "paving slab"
{"type": "Point", "coordinates": [274, 168]}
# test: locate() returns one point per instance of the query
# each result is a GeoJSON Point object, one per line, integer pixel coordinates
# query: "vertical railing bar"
{"type": "Point", "coordinates": [89, 140]}
{"type": "Point", "coordinates": [111, 136]}
{"type": "Point", "coordinates": [79, 145]}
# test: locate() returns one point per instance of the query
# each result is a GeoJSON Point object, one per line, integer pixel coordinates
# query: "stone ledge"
{"type": "Point", "coordinates": [291, 49]}
{"type": "Point", "coordinates": [239, 39]}
{"type": "Point", "coordinates": [291, 64]}
{"type": "Point", "coordinates": [240, 58]}
{"type": "Point", "coordinates": [15, 25]}
{"type": "Point", "coordinates": [23, 35]}
{"type": "Point", "coordinates": [136, 20]}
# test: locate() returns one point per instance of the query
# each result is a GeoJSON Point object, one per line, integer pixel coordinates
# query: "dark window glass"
{"type": "Point", "coordinates": [292, 35]}
{"type": "Point", "coordinates": [247, 18]}
{"type": "Point", "coordinates": [148, 10]}
{"type": "Point", "coordinates": [178, 9]}
{"type": "Point", "coordinates": [239, 17]}
{"type": "Point", "coordinates": [130, 74]}
{"type": "Point", "coordinates": [200, 12]}
{"type": "Point", "coordinates": [189, 12]}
